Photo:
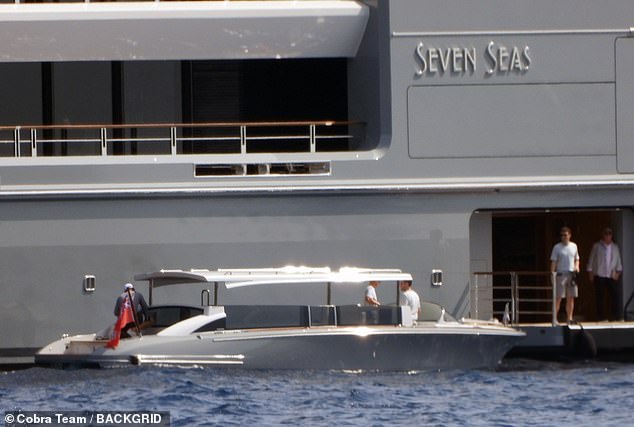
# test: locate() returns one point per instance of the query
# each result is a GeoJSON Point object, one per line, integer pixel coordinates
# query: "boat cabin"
{"type": "Point", "coordinates": [234, 317]}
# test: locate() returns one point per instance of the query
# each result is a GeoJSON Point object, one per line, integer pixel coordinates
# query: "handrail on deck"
{"type": "Point", "coordinates": [516, 297]}
{"type": "Point", "coordinates": [173, 138]}
{"type": "Point", "coordinates": [626, 306]}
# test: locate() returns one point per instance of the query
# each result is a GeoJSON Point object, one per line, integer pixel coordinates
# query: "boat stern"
{"type": "Point", "coordinates": [78, 350]}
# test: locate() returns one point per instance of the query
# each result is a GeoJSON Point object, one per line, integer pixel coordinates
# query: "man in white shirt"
{"type": "Point", "coordinates": [370, 294]}
{"type": "Point", "coordinates": [604, 268]}
{"type": "Point", "coordinates": [564, 264]}
{"type": "Point", "coordinates": [410, 298]}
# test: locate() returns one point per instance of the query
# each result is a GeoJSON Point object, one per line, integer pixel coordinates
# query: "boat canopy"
{"type": "Point", "coordinates": [235, 278]}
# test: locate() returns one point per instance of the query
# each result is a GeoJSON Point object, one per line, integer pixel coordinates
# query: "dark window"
{"type": "Point", "coordinates": [167, 316]}
{"type": "Point", "coordinates": [213, 326]}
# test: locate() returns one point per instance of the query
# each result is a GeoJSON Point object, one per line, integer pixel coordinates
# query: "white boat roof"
{"type": "Point", "coordinates": [181, 30]}
{"type": "Point", "coordinates": [234, 278]}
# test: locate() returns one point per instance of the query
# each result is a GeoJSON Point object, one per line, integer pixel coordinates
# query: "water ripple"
{"type": "Point", "coordinates": [523, 393]}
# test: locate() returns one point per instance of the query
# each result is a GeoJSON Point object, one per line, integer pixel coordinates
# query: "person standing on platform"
{"type": "Point", "coordinates": [604, 268]}
{"type": "Point", "coordinates": [564, 264]}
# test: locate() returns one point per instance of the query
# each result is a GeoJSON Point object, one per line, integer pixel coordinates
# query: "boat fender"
{"type": "Point", "coordinates": [584, 345]}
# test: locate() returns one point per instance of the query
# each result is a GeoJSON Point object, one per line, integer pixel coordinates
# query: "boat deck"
{"type": "Point", "coordinates": [580, 340]}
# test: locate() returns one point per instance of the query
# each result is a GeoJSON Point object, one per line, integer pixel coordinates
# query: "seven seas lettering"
{"type": "Point", "coordinates": [499, 59]}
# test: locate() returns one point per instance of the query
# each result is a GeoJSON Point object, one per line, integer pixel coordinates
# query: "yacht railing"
{"type": "Point", "coordinates": [626, 308]}
{"type": "Point", "coordinates": [529, 295]}
{"type": "Point", "coordinates": [180, 139]}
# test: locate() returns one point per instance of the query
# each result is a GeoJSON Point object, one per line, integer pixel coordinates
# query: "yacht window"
{"type": "Point", "coordinates": [217, 324]}
{"type": "Point", "coordinates": [167, 316]}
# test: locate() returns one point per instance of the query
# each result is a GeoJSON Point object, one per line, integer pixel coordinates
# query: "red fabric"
{"type": "Point", "coordinates": [125, 316]}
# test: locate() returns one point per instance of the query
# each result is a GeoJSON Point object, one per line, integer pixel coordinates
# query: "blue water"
{"type": "Point", "coordinates": [520, 393]}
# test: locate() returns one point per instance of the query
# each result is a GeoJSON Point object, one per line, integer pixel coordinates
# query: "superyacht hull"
{"type": "Point", "coordinates": [450, 139]}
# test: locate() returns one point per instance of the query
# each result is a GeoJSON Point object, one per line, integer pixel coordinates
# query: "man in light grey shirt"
{"type": "Point", "coordinates": [564, 263]}
{"type": "Point", "coordinates": [370, 297]}
{"type": "Point", "coordinates": [604, 268]}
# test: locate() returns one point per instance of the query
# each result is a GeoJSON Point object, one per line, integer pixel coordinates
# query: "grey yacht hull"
{"type": "Point", "coordinates": [477, 140]}
{"type": "Point", "coordinates": [346, 348]}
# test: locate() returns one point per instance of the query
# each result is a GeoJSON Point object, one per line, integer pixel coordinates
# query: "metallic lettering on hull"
{"type": "Point", "coordinates": [500, 59]}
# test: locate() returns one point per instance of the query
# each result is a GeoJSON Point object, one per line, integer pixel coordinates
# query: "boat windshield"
{"type": "Point", "coordinates": [432, 312]}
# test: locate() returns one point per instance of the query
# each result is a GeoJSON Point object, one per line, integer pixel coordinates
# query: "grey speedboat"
{"type": "Point", "coordinates": [346, 337]}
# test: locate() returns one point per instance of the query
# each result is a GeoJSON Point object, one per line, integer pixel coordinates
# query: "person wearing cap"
{"type": "Point", "coordinates": [410, 298]}
{"type": "Point", "coordinates": [604, 269]}
{"type": "Point", "coordinates": [138, 303]}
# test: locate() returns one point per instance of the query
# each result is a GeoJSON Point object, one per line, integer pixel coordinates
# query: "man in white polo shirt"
{"type": "Point", "coordinates": [564, 264]}
{"type": "Point", "coordinates": [410, 298]}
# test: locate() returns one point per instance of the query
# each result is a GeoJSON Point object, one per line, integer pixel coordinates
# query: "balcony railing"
{"type": "Point", "coordinates": [240, 138]}
{"type": "Point", "coordinates": [529, 295]}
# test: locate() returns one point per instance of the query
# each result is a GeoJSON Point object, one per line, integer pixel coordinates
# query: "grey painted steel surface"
{"type": "Point", "coordinates": [625, 104]}
{"type": "Point", "coordinates": [571, 75]}
{"type": "Point", "coordinates": [424, 347]}
{"type": "Point", "coordinates": [48, 246]}
{"type": "Point", "coordinates": [133, 31]}
{"type": "Point", "coordinates": [63, 218]}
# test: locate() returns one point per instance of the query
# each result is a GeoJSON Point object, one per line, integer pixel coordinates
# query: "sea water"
{"type": "Point", "coordinates": [519, 393]}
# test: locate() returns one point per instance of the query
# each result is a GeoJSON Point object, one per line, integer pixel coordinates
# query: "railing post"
{"type": "Point", "coordinates": [243, 139]}
{"type": "Point", "coordinates": [553, 281]}
{"type": "Point", "coordinates": [33, 142]}
{"type": "Point", "coordinates": [313, 143]}
{"type": "Point", "coordinates": [310, 317]}
{"type": "Point", "coordinates": [104, 142]}
{"type": "Point", "coordinates": [16, 140]}
{"type": "Point", "coordinates": [204, 292]}
{"type": "Point", "coordinates": [514, 299]}
{"type": "Point", "coordinates": [476, 303]}
{"type": "Point", "coordinates": [173, 140]}
{"type": "Point", "coordinates": [151, 289]}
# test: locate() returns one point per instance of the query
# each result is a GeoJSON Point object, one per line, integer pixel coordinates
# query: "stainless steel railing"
{"type": "Point", "coordinates": [530, 295]}
{"type": "Point", "coordinates": [180, 139]}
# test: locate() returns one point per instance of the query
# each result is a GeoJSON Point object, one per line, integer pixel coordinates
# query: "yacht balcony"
{"type": "Point", "coordinates": [215, 149]}
{"type": "Point", "coordinates": [180, 30]}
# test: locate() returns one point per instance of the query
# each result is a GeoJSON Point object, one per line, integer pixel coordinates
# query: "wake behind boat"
{"type": "Point", "coordinates": [349, 337]}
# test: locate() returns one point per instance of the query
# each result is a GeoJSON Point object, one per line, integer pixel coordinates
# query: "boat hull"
{"type": "Point", "coordinates": [359, 348]}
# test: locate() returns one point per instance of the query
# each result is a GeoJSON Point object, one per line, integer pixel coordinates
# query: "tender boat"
{"type": "Point", "coordinates": [340, 337]}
